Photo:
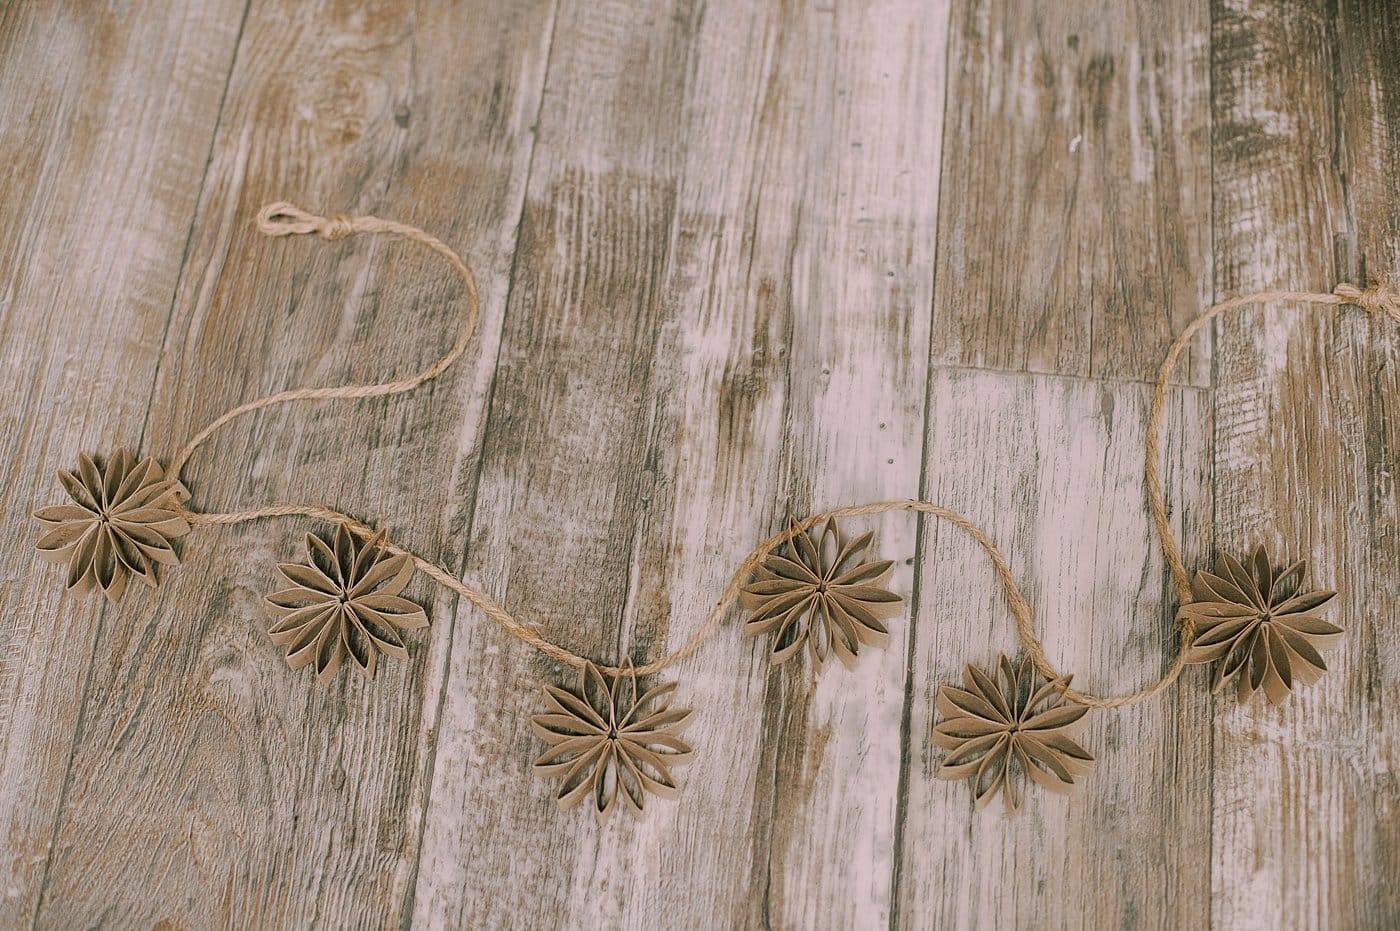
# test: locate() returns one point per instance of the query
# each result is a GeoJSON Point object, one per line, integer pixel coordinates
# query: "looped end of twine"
{"type": "Point", "coordinates": [1379, 298]}
{"type": "Point", "coordinates": [284, 219]}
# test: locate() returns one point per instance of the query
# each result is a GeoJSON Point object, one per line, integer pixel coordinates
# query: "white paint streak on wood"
{"type": "Point", "coordinates": [1090, 264]}
{"type": "Point", "coordinates": [862, 296]}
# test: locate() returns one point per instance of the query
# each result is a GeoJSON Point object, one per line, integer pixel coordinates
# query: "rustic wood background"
{"type": "Point", "coordinates": [738, 259]}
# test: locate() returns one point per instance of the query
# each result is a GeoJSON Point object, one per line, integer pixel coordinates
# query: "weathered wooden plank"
{"type": "Point", "coordinates": [99, 168]}
{"type": "Point", "coordinates": [576, 480]}
{"type": "Point", "coordinates": [862, 297]}
{"type": "Point", "coordinates": [719, 312]}
{"type": "Point", "coordinates": [210, 785]}
{"type": "Point", "coordinates": [1307, 187]}
{"type": "Point", "coordinates": [1052, 468]}
{"type": "Point", "coordinates": [1072, 239]}
{"type": "Point", "coordinates": [1075, 216]}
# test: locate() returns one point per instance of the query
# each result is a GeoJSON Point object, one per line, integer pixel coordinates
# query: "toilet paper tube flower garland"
{"type": "Point", "coordinates": [615, 739]}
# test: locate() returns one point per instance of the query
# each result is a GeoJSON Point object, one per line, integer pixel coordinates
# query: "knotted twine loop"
{"type": "Point", "coordinates": [284, 219]}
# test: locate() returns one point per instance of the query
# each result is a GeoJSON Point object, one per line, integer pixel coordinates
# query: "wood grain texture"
{"type": "Point", "coordinates": [738, 261]}
{"type": "Point", "coordinates": [1306, 415]}
{"type": "Point", "coordinates": [780, 395]}
{"type": "Point", "coordinates": [1076, 208]}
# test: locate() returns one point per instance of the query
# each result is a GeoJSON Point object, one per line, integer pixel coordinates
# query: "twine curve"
{"type": "Point", "coordinates": [284, 219]}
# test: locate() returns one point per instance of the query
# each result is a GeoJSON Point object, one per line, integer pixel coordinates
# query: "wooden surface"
{"type": "Point", "coordinates": [738, 260]}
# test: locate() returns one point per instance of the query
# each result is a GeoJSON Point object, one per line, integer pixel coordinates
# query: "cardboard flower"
{"type": "Point", "coordinates": [344, 601]}
{"type": "Point", "coordinates": [1259, 622]}
{"type": "Point", "coordinates": [824, 594]}
{"type": "Point", "coordinates": [607, 743]}
{"type": "Point", "coordinates": [119, 526]}
{"type": "Point", "coordinates": [1003, 727]}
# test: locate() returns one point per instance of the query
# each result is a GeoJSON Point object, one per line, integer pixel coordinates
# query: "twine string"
{"type": "Point", "coordinates": [1020, 608]}
{"type": "Point", "coordinates": [283, 219]}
